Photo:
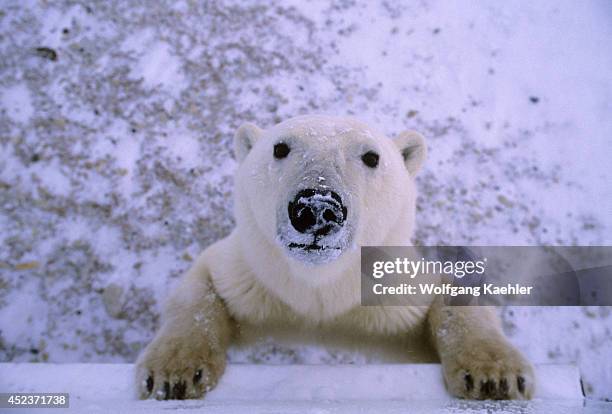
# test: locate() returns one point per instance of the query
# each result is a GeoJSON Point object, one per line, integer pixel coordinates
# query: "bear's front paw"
{"type": "Point", "coordinates": [488, 370]}
{"type": "Point", "coordinates": [177, 368]}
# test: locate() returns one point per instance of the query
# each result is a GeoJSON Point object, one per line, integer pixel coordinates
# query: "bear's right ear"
{"type": "Point", "coordinates": [244, 139]}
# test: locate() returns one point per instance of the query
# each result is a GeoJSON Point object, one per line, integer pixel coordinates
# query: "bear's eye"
{"type": "Point", "coordinates": [281, 150]}
{"type": "Point", "coordinates": [370, 159]}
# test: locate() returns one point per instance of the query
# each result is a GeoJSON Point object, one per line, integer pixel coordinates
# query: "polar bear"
{"type": "Point", "coordinates": [308, 193]}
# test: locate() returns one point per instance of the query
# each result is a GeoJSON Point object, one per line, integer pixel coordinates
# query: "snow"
{"type": "Point", "coordinates": [17, 102]}
{"type": "Point", "coordinates": [157, 66]}
{"type": "Point", "coordinates": [297, 388]}
{"type": "Point", "coordinates": [115, 166]}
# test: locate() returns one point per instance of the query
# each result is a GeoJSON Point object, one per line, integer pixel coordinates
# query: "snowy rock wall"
{"type": "Point", "coordinates": [116, 121]}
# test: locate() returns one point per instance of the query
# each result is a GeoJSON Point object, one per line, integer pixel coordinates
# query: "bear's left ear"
{"type": "Point", "coordinates": [413, 150]}
{"type": "Point", "coordinates": [244, 139]}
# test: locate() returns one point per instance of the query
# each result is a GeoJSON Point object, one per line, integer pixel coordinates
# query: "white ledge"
{"type": "Point", "coordinates": [102, 387]}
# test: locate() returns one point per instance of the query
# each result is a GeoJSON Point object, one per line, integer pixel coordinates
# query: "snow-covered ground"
{"type": "Point", "coordinates": [116, 121]}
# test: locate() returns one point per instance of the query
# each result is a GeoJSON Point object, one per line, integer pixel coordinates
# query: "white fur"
{"type": "Point", "coordinates": [382, 206]}
{"type": "Point", "coordinates": [253, 277]}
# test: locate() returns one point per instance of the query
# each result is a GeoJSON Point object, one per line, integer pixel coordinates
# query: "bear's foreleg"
{"type": "Point", "coordinates": [477, 359]}
{"type": "Point", "coordinates": [188, 354]}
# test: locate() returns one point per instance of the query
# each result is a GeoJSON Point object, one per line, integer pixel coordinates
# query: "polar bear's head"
{"type": "Point", "coordinates": [315, 187]}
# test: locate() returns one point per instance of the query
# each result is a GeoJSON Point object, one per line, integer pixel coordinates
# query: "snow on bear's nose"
{"type": "Point", "coordinates": [317, 212]}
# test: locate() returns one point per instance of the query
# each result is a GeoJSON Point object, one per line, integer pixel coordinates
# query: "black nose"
{"type": "Point", "coordinates": [318, 212]}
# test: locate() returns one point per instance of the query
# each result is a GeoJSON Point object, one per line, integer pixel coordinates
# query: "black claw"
{"type": "Point", "coordinates": [483, 388]}
{"type": "Point", "coordinates": [178, 390]}
{"type": "Point", "coordinates": [520, 382]}
{"type": "Point", "coordinates": [197, 377]}
{"type": "Point", "coordinates": [504, 389]}
{"type": "Point", "coordinates": [166, 390]}
{"type": "Point", "coordinates": [492, 388]}
{"type": "Point", "coordinates": [469, 382]}
{"type": "Point", "coordinates": [149, 384]}
{"type": "Point", "coordinates": [487, 388]}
